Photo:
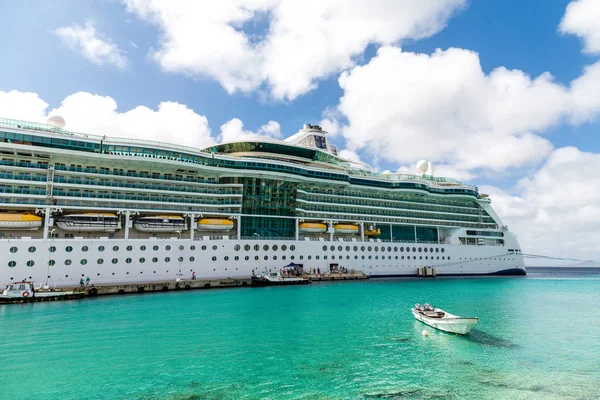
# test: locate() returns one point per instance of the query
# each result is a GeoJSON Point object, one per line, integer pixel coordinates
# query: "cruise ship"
{"type": "Point", "coordinates": [118, 210]}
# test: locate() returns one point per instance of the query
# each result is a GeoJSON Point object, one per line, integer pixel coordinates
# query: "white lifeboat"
{"type": "Point", "coordinates": [346, 229]}
{"type": "Point", "coordinates": [312, 227]}
{"type": "Point", "coordinates": [28, 222]}
{"type": "Point", "coordinates": [89, 222]}
{"type": "Point", "coordinates": [215, 224]}
{"type": "Point", "coordinates": [160, 223]}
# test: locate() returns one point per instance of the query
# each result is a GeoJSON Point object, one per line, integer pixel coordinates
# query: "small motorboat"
{"type": "Point", "coordinates": [24, 292]}
{"type": "Point", "coordinates": [442, 320]}
{"type": "Point", "coordinates": [277, 279]}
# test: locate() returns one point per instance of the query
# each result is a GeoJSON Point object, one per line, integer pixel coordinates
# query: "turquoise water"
{"type": "Point", "coordinates": [537, 338]}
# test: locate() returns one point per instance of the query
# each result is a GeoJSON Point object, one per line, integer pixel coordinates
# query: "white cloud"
{"type": "Point", "coordinates": [556, 211]}
{"type": "Point", "coordinates": [404, 106]}
{"type": "Point", "coordinates": [302, 41]}
{"type": "Point", "coordinates": [233, 130]}
{"type": "Point", "coordinates": [582, 19]}
{"type": "Point", "coordinates": [85, 112]}
{"type": "Point", "coordinates": [89, 43]}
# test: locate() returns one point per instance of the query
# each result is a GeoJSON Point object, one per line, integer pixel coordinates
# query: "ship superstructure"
{"type": "Point", "coordinates": [125, 210]}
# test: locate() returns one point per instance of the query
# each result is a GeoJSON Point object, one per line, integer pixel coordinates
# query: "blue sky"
{"type": "Point", "coordinates": [517, 35]}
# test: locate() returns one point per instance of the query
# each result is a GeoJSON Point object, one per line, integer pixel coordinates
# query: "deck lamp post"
{"type": "Point", "coordinates": [48, 263]}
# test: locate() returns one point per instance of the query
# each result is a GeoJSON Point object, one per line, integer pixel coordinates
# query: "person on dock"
{"type": "Point", "coordinates": [193, 275]}
{"type": "Point", "coordinates": [87, 281]}
{"type": "Point", "coordinates": [319, 271]}
{"type": "Point", "coordinates": [81, 282]}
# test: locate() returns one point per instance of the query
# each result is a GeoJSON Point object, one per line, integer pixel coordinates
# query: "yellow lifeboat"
{"type": "Point", "coordinates": [346, 229]}
{"type": "Point", "coordinates": [210, 224]}
{"type": "Point", "coordinates": [312, 227]}
{"type": "Point", "coordinates": [28, 222]}
{"type": "Point", "coordinates": [373, 232]}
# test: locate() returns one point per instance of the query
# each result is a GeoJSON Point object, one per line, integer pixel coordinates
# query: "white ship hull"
{"type": "Point", "coordinates": [217, 259]}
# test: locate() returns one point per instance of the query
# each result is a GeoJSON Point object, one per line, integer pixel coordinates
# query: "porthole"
{"type": "Point", "coordinates": [192, 247]}
{"type": "Point", "coordinates": [83, 261]}
{"type": "Point", "coordinates": [214, 247]}
{"type": "Point", "coordinates": [12, 264]}
{"type": "Point", "coordinates": [100, 248]}
{"type": "Point", "coordinates": [292, 247]}
{"type": "Point", "coordinates": [347, 248]}
{"type": "Point", "coordinates": [443, 257]}
{"type": "Point", "coordinates": [31, 249]}
{"type": "Point", "coordinates": [204, 247]}
{"type": "Point", "coordinates": [275, 247]}
{"type": "Point", "coordinates": [115, 248]}
{"type": "Point", "coordinates": [283, 257]}
{"type": "Point", "coordinates": [431, 249]}
{"type": "Point", "coordinates": [369, 248]}
{"type": "Point", "coordinates": [69, 249]}
{"type": "Point", "coordinates": [283, 247]}
{"type": "Point", "coordinates": [167, 259]}
{"type": "Point", "coordinates": [376, 257]}
{"type": "Point", "coordinates": [396, 257]}
{"type": "Point", "coordinates": [449, 258]}
{"type": "Point", "coordinates": [437, 250]}
{"type": "Point", "coordinates": [226, 258]}
{"type": "Point", "coordinates": [114, 260]}
{"type": "Point", "coordinates": [389, 248]}
{"type": "Point", "coordinates": [237, 247]}
{"type": "Point", "coordinates": [155, 248]}
{"type": "Point", "coordinates": [143, 248]}
{"type": "Point", "coordinates": [247, 258]}
{"type": "Point", "coordinates": [309, 257]}
{"type": "Point", "coordinates": [14, 249]}
{"type": "Point", "coordinates": [129, 248]}
{"type": "Point", "coordinates": [324, 248]}
{"type": "Point", "coordinates": [370, 257]}
{"type": "Point", "coordinates": [324, 257]}
{"type": "Point", "coordinates": [402, 258]}
{"type": "Point", "coordinates": [362, 248]}
{"type": "Point", "coordinates": [128, 260]}
{"type": "Point", "coordinates": [425, 249]}
{"type": "Point", "coordinates": [101, 261]}
{"type": "Point", "coordinates": [340, 248]}
{"type": "Point", "coordinates": [256, 258]}
{"type": "Point", "coordinates": [382, 248]}
{"type": "Point", "coordinates": [438, 257]}
{"type": "Point", "coordinates": [442, 250]}
{"type": "Point", "coordinates": [332, 257]}
{"type": "Point", "coordinates": [214, 258]}
{"type": "Point", "coordinates": [395, 249]}
{"type": "Point", "coordinates": [355, 248]}
{"type": "Point", "coordinates": [356, 257]}
{"type": "Point", "coordinates": [376, 248]}
{"type": "Point", "coordinates": [236, 258]}
{"type": "Point", "coordinates": [302, 257]}
{"type": "Point", "coordinates": [168, 247]}
{"type": "Point", "coordinates": [414, 249]}
{"type": "Point", "coordinates": [51, 263]}
{"type": "Point", "coordinates": [266, 257]}
{"type": "Point", "coordinates": [30, 263]}
{"type": "Point", "coordinates": [420, 249]}
{"type": "Point", "coordinates": [414, 257]}
{"type": "Point", "coordinates": [68, 262]}
{"type": "Point", "coordinates": [154, 259]}
{"type": "Point", "coordinates": [266, 247]}
{"type": "Point", "coordinates": [274, 257]}
{"type": "Point", "coordinates": [84, 249]}
{"type": "Point", "coordinates": [316, 257]}
{"type": "Point", "coordinates": [363, 257]}
{"type": "Point", "coordinates": [142, 260]}
{"type": "Point", "coordinates": [52, 249]}
{"type": "Point", "coordinates": [181, 247]}
{"type": "Point", "coordinates": [247, 247]}
{"type": "Point", "coordinates": [402, 249]}
{"type": "Point", "coordinates": [390, 257]}
{"type": "Point", "coordinates": [256, 247]}
{"type": "Point", "coordinates": [426, 257]}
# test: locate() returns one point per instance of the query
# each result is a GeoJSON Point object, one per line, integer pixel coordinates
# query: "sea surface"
{"type": "Point", "coordinates": [538, 338]}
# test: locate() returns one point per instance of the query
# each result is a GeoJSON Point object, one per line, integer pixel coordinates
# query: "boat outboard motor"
{"type": "Point", "coordinates": [428, 307]}
{"type": "Point", "coordinates": [418, 307]}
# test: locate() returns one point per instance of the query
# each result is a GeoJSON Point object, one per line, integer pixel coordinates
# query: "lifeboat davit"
{"type": "Point", "coordinates": [373, 232]}
{"type": "Point", "coordinates": [346, 229]}
{"type": "Point", "coordinates": [213, 224]}
{"type": "Point", "coordinates": [160, 223]}
{"type": "Point", "coordinates": [312, 227]}
{"type": "Point", "coordinates": [28, 222]}
{"type": "Point", "coordinates": [89, 222]}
